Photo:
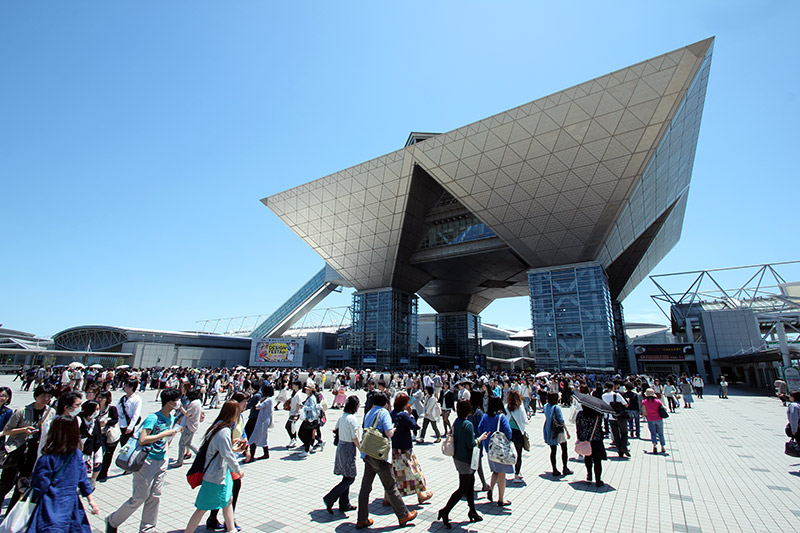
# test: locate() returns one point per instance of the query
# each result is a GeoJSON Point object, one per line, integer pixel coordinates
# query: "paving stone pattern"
{"type": "Point", "coordinates": [703, 484]}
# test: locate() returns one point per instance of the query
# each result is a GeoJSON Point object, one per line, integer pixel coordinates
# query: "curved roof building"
{"type": "Point", "coordinates": [593, 177]}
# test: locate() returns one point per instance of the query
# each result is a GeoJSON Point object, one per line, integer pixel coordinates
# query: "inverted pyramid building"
{"type": "Point", "coordinates": [595, 176]}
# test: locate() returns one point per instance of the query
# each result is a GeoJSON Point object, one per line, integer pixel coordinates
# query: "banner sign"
{"type": "Point", "coordinates": [663, 352]}
{"type": "Point", "coordinates": [277, 352]}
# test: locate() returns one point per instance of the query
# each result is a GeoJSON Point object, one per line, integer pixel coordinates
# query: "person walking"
{"type": "Point", "coordinates": [260, 435]}
{"type": "Point", "coordinates": [149, 481]}
{"type": "Point", "coordinates": [634, 410]}
{"type": "Point", "coordinates": [652, 411]}
{"type": "Point", "coordinates": [57, 477]}
{"type": "Point", "coordinates": [310, 419]}
{"type": "Point", "coordinates": [379, 418]}
{"type": "Point", "coordinates": [555, 434]}
{"type": "Point", "coordinates": [698, 384]}
{"type": "Point", "coordinates": [216, 490]}
{"type": "Point", "coordinates": [517, 419]}
{"type": "Point", "coordinates": [432, 412]}
{"type": "Point", "coordinates": [129, 408]}
{"type": "Point", "coordinates": [588, 428]}
{"type": "Point", "coordinates": [687, 391]}
{"type": "Point", "coordinates": [407, 471]}
{"type": "Point", "coordinates": [295, 406]}
{"type": "Point", "coordinates": [192, 416]}
{"type": "Point", "coordinates": [465, 445]}
{"type": "Point", "coordinates": [348, 433]}
{"type": "Point", "coordinates": [723, 387]}
{"type": "Point", "coordinates": [495, 420]}
{"type": "Point", "coordinates": [618, 421]}
{"type": "Point", "coordinates": [448, 403]}
{"type": "Point", "coordinates": [108, 418]}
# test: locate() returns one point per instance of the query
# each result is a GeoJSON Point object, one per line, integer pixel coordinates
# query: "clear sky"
{"type": "Point", "coordinates": [137, 138]}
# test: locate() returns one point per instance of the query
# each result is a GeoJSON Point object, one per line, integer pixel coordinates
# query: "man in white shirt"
{"type": "Point", "coordinates": [130, 411]}
{"type": "Point", "coordinates": [698, 384]}
{"type": "Point", "coordinates": [618, 421]}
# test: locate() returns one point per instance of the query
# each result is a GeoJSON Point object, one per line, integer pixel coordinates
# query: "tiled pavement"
{"type": "Point", "coordinates": [725, 471]}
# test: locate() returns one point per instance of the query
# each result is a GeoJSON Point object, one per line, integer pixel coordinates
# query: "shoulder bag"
{"type": "Point", "coordinates": [131, 457]}
{"type": "Point", "coordinates": [198, 469]}
{"type": "Point", "coordinates": [662, 411]}
{"type": "Point", "coordinates": [449, 446]}
{"type": "Point", "coordinates": [500, 449]}
{"type": "Point", "coordinates": [375, 444]}
{"type": "Point", "coordinates": [584, 447]}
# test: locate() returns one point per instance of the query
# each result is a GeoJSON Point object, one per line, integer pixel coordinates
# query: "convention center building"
{"type": "Point", "coordinates": [570, 200]}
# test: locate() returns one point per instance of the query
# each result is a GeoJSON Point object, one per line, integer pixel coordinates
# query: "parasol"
{"type": "Point", "coordinates": [76, 364]}
{"type": "Point", "coordinates": [123, 367]}
{"type": "Point", "coordinates": [542, 375]}
{"type": "Point", "coordinates": [594, 403]}
{"type": "Point", "coordinates": [96, 366]}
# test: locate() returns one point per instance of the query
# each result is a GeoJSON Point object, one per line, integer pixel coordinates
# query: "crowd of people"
{"type": "Point", "coordinates": [64, 442]}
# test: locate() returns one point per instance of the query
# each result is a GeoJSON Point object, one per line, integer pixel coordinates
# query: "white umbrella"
{"type": "Point", "coordinates": [174, 366]}
{"type": "Point", "coordinates": [542, 374]}
{"type": "Point", "coordinates": [240, 367]}
{"type": "Point", "coordinates": [122, 367]}
{"type": "Point", "coordinates": [76, 364]}
{"type": "Point", "coordinates": [96, 366]}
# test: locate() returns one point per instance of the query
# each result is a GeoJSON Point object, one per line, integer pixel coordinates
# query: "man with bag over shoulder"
{"type": "Point", "coordinates": [149, 481]}
{"type": "Point", "coordinates": [381, 468]}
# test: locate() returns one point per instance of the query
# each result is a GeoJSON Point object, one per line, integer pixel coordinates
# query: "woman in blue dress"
{"type": "Point", "coordinates": [489, 424]}
{"type": "Point", "coordinates": [556, 435]}
{"type": "Point", "coordinates": [55, 481]}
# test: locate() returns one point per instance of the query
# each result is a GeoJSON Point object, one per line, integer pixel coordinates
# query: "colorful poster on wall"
{"type": "Point", "coordinates": [277, 352]}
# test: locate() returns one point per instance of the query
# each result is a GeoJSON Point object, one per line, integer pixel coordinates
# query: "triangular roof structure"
{"type": "Point", "coordinates": [596, 172]}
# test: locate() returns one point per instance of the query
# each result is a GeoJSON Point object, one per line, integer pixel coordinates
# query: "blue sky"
{"type": "Point", "coordinates": [137, 138]}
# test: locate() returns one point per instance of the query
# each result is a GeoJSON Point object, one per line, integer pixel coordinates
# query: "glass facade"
{"type": "Point", "coordinates": [573, 327]}
{"type": "Point", "coordinates": [464, 228]}
{"type": "Point", "coordinates": [384, 331]}
{"type": "Point", "coordinates": [459, 335]}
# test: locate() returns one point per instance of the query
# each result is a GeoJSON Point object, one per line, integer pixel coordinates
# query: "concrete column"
{"type": "Point", "coordinates": [784, 344]}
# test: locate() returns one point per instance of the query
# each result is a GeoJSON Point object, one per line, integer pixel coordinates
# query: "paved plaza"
{"type": "Point", "coordinates": [725, 471]}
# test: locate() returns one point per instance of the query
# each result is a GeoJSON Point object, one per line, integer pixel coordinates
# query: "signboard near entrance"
{"type": "Point", "coordinates": [277, 352]}
{"type": "Point", "coordinates": [792, 378]}
{"type": "Point", "coordinates": [664, 352]}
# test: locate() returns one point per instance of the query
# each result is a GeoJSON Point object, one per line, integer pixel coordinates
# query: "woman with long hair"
{"type": "Point", "coordinates": [216, 490]}
{"type": "Point", "coordinates": [465, 444]}
{"type": "Point", "coordinates": [555, 434]}
{"type": "Point", "coordinates": [348, 432]}
{"type": "Point", "coordinates": [476, 401]}
{"type": "Point", "coordinates": [192, 416]}
{"type": "Point", "coordinates": [493, 419]}
{"type": "Point", "coordinates": [517, 419]}
{"type": "Point", "coordinates": [56, 478]}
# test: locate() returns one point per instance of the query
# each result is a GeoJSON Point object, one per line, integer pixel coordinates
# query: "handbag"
{"type": "Point", "coordinates": [584, 447]}
{"type": "Point", "coordinates": [662, 411]}
{"type": "Point", "coordinates": [792, 449]}
{"type": "Point", "coordinates": [526, 442]}
{"type": "Point", "coordinates": [500, 449]}
{"type": "Point", "coordinates": [113, 434]}
{"type": "Point", "coordinates": [131, 457]}
{"type": "Point", "coordinates": [375, 444]}
{"type": "Point", "coordinates": [449, 446]}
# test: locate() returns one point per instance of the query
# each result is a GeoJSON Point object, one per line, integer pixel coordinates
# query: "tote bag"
{"type": "Point", "coordinates": [449, 446]}
{"type": "Point", "coordinates": [18, 518]}
{"type": "Point", "coordinates": [500, 449]}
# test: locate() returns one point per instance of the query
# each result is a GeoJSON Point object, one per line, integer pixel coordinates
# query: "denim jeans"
{"type": "Point", "coordinates": [656, 428]}
{"type": "Point", "coordinates": [633, 422]}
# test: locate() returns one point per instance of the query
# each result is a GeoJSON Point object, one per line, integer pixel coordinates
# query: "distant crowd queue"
{"type": "Point", "coordinates": [64, 442]}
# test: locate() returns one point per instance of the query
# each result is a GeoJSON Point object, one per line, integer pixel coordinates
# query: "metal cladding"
{"type": "Point", "coordinates": [597, 172]}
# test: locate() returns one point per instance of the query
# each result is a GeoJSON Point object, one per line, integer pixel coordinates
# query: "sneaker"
{"type": "Point", "coordinates": [292, 443]}
{"type": "Point", "coordinates": [322, 446]}
{"type": "Point", "coordinates": [304, 454]}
